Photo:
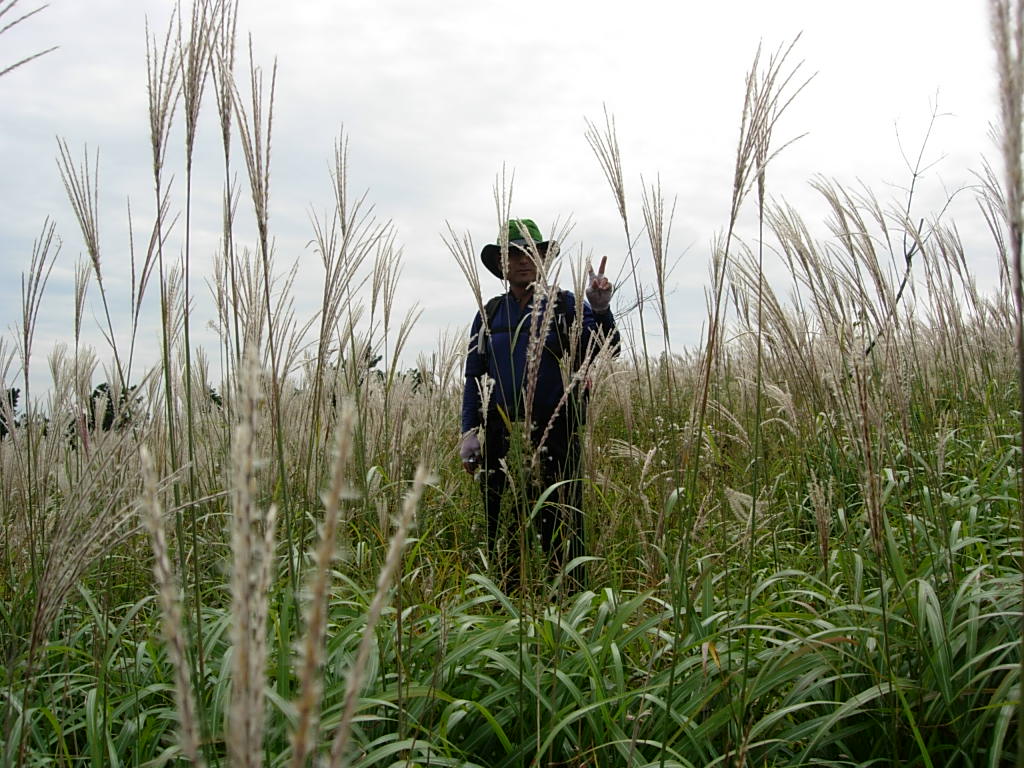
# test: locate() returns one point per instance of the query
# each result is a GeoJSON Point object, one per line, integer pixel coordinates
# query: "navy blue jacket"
{"type": "Point", "coordinates": [504, 357]}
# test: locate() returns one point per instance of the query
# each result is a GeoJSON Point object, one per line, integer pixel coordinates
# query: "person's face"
{"type": "Point", "coordinates": [522, 270]}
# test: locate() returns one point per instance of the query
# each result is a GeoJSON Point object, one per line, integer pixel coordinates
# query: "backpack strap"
{"type": "Point", "coordinates": [490, 310]}
{"type": "Point", "coordinates": [565, 313]}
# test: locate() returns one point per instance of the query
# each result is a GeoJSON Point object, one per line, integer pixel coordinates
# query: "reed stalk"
{"type": "Point", "coordinates": [605, 146]}
{"type": "Point", "coordinates": [256, 142]}
{"type": "Point", "coordinates": [1008, 36]}
{"type": "Point", "coordinates": [311, 669]}
{"type": "Point", "coordinates": [170, 606]}
{"type": "Point", "coordinates": [252, 545]}
{"type": "Point", "coordinates": [6, 6]}
{"type": "Point", "coordinates": [354, 683]}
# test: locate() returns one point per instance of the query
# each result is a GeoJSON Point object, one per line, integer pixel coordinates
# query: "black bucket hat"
{"type": "Point", "coordinates": [521, 233]}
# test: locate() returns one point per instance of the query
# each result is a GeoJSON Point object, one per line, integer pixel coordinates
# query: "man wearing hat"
{"type": "Point", "coordinates": [514, 372]}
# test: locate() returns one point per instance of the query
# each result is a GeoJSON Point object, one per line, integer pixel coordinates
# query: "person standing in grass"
{"type": "Point", "coordinates": [514, 373]}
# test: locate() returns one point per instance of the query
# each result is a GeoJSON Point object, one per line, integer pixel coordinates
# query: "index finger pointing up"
{"type": "Point", "coordinates": [604, 260]}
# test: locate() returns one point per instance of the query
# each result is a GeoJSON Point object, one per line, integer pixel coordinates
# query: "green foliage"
{"type": "Point", "coordinates": [914, 658]}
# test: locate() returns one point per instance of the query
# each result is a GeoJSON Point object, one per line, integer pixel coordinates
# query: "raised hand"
{"type": "Point", "coordinates": [599, 289]}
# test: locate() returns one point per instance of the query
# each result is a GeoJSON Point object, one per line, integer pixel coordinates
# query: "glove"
{"type": "Point", "coordinates": [469, 451]}
{"type": "Point", "coordinates": [599, 289]}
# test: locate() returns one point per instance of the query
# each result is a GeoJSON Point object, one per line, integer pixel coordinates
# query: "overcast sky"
{"type": "Point", "coordinates": [437, 97]}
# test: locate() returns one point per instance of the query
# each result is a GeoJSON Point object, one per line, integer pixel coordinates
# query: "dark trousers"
{"type": "Point", "coordinates": [559, 520]}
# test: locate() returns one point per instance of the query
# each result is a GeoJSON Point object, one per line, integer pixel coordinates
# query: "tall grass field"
{"type": "Point", "coordinates": [804, 534]}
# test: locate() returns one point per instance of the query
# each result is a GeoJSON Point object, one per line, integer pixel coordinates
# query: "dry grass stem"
{"type": "Point", "coordinates": [45, 249]}
{"type": "Point", "coordinates": [170, 606]}
{"type": "Point", "coordinates": [354, 685]}
{"type": "Point", "coordinates": [194, 58]}
{"type": "Point", "coordinates": [821, 502]}
{"type": "Point", "coordinates": [6, 7]}
{"type": "Point", "coordinates": [605, 146]}
{"type": "Point", "coordinates": [96, 515]}
{"type": "Point", "coordinates": [252, 546]}
{"type": "Point", "coordinates": [310, 671]}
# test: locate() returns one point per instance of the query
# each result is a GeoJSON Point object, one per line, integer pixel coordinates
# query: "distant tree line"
{"type": "Point", "coordinates": [105, 412]}
{"type": "Point", "coordinates": [7, 420]}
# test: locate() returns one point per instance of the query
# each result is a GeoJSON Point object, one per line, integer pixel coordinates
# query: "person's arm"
{"type": "Point", "coordinates": [476, 366]}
